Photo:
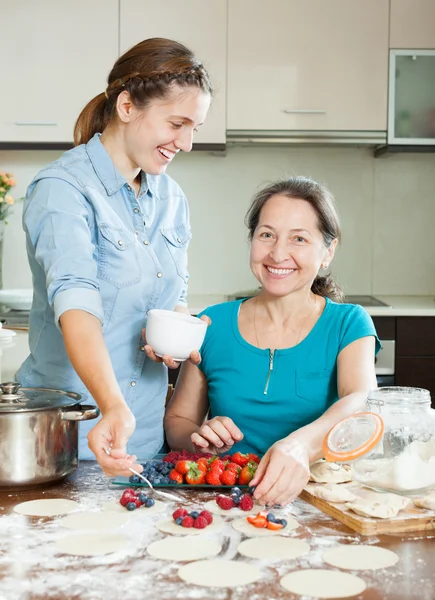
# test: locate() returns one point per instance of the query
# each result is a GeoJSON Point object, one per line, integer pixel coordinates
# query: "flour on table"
{"type": "Point", "coordinates": [100, 521]}
{"type": "Point", "coordinates": [381, 506]}
{"type": "Point", "coordinates": [219, 573]}
{"type": "Point", "coordinates": [426, 502]}
{"type": "Point", "coordinates": [332, 492]}
{"type": "Point", "coordinates": [321, 583]}
{"type": "Point", "coordinates": [142, 511]}
{"type": "Point", "coordinates": [184, 549]}
{"type": "Point", "coordinates": [323, 472]}
{"type": "Point", "coordinates": [273, 548]}
{"type": "Point", "coordinates": [243, 526]}
{"type": "Point", "coordinates": [91, 544]}
{"type": "Point", "coordinates": [170, 526]}
{"type": "Point", "coordinates": [46, 507]}
{"type": "Point", "coordinates": [360, 557]}
{"type": "Point", "coordinates": [217, 510]}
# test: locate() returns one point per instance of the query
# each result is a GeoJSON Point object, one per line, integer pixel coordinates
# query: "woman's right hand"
{"type": "Point", "coordinates": [217, 435]}
{"type": "Point", "coordinates": [108, 441]}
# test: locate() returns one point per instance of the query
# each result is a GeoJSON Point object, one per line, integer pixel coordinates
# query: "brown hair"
{"type": "Point", "coordinates": [146, 71]}
{"type": "Point", "coordinates": [321, 199]}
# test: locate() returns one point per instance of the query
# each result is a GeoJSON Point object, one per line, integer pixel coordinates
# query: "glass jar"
{"type": "Point", "coordinates": [392, 447]}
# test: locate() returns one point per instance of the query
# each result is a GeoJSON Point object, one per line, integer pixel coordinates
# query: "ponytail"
{"type": "Point", "coordinates": [93, 119]}
{"type": "Point", "coordinates": [327, 287]}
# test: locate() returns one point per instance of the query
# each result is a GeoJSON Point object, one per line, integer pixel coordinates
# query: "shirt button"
{"type": "Point", "coordinates": [136, 210]}
{"type": "Point", "coordinates": [133, 383]}
{"type": "Point", "coordinates": [179, 240]}
{"type": "Point", "coordinates": [120, 243]}
{"type": "Point", "coordinates": [129, 188]}
{"type": "Point", "coordinates": [145, 242]}
{"type": "Point", "coordinates": [148, 312]}
{"type": "Point", "coordinates": [142, 348]}
{"type": "Point", "coordinates": [159, 275]}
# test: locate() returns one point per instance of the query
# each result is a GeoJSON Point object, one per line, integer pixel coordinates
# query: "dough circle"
{"type": "Point", "coordinates": [170, 526]}
{"type": "Point", "coordinates": [360, 557]}
{"type": "Point", "coordinates": [212, 507]}
{"type": "Point", "coordinates": [184, 549]}
{"type": "Point", "coordinates": [46, 507]}
{"type": "Point", "coordinates": [118, 508]}
{"type": "Point", "coordinates": [91, 544]}
{"type": "Point", "coordinates": [426, 502]}
{"type": "Point", "coordinates": [243, 526]}
{"type": "Point", "coordinates": [321, 583]}
{"type": "Point", "coordinates": [333, 492]}
{"type": "Point", "coordinates": [322, 472]}
{"type": "Point", "coordinates": [219, 573]}
{"type": "Point", "coordinates": [273, 548]}
{"type": "Point", "coordinates": [87, 521]}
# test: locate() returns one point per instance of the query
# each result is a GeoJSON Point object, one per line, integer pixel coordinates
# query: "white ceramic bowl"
{"type": "Point", "coordinates": [17, 299]}
{"type": "Point", "coordinates": [174, 333]}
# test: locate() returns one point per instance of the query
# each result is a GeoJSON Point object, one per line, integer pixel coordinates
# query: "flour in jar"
{"type": "Point", "coordinates": [412, 470]}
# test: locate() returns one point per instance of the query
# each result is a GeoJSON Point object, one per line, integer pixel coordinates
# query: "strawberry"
{"type": "Point", "coordinates": [246, 502]}
{"type": "Point", "coordinates": [200, 522]}
{"type": "Point", "coordinates": [260, 522]}
{"type": "Point", "coordinates": [228, 478]}
{"type": "Point", "coordinates": [234, 467]}
{"type": "Point", "coordinates": [180, 512]}
{"type": "Point", "coordinates": [225, 502]}
{"type": "Point", "coordinates": [182, 466]}
{"type": "Point", "coordinates": [254, 458]}
{"type": "Point", "coordinates": [213, 477]}
{"type": "Point", "coordinates": [240, 459]}
{"type": "Point", "coordinates": [202, 464]}
{"type": "Point", "coordinates": [194, 476]}
{"type": "Point", "coordinates": [175, 476]}
{"type": "Point", "coordinates": [187, 521]}
{"type": "Point", "coordinates": [247, 473]}
{"type": "Point", "coordinates": [274, 526]}
{"type": "Point", "coordinates": [207, 516]}
{"type": "Point", "coordinates": [217, 464]}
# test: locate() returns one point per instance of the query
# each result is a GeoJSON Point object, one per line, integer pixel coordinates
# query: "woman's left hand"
{"type": "Point", "coordinates": [282, 473]}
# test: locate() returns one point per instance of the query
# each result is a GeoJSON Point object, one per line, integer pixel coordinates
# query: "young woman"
{"type": "Point", "coordinates": [279, 370]}
{"type": "Point", "coordinates": [107, 234]}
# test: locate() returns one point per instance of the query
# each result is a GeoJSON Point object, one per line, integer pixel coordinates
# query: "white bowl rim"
{"type": "Point", "coordinates": [172, 314]}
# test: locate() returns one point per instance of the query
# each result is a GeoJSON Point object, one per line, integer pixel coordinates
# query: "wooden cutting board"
{"type": "Point", "coordinates": [407, 520]}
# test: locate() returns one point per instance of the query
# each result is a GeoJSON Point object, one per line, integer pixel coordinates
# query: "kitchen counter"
{"type": "Point", "coordinates": [31, 569]}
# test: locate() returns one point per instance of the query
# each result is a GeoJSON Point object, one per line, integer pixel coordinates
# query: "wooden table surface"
{"type": "Point", "coordinates": [30, 568]}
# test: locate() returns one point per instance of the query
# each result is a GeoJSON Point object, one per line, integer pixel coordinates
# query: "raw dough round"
{"type": "Point", "coordinates": [333, 492]}
{"type": "Point", "coordinates": [217, 510]}
{"type": "Point", "coordinates": [183, 549]}
{"type": "Point", "coordinates": [46, 507]}
{"type": "Point", "coordinates": [322, 472]}
{"type": "Point", "coordinates": [219, 573]}
{"type": "Point", "coordinates": [243, 526]}
{"type": "Point", "coordinates": [273, 548]}
{"type": "Point", "coordinates": [118, 508]}
{"type": "Point", "coordinates": [91, 544]}
{"type": "Point", "coordinates": [426, 502]}
{"type": "Point", "coordinates": [321, 583]}
{"type": "Point", "coordinates": [87, 521]}
{"type": "Point", "coordinates": [360, 557]}
{"type": "Point", "coordinates": [382, 506]}
{"type": "Point", "coordinates": [170, 526]}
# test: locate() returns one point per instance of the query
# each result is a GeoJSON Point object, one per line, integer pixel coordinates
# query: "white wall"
{"type": "Point", "coordinates": [387, 208]}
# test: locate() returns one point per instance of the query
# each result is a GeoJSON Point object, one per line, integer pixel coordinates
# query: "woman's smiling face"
{"type": "Point", "coordinates": [287, 247]}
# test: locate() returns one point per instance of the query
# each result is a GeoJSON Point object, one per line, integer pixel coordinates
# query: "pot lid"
{"type": "Point", "coordinates": [14, 398]}
{"type": "Point", "coordinates": [353, 437]}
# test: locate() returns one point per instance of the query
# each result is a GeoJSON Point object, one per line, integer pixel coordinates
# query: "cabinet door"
{"type": "Point", "coordinates": [201, 29]}
{"type": "Point", "coordinates": [56, 57]}
{"type": "Point", "coordinates": [412, 24]}
{"type": "Point", "coordinates": [307, 65]}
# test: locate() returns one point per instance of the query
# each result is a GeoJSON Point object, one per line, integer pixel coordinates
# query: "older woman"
{"type": "Point", "coordinates": [279, 370]}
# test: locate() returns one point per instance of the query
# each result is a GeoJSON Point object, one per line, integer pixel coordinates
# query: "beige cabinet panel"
{"type": "Point", "coordinates": [201, 29]}
{"type": "Point", "coordinates": [412, 24]}
{"type": "Point", "coordinates": [55, 58]}
{"type": "Point", "coordinates": [307, 65]}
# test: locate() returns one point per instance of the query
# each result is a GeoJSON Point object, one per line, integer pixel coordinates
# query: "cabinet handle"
{"type": "Point", "coordinates": [37, 123]}
{"type": "Point", "coordinates": [303, 111]}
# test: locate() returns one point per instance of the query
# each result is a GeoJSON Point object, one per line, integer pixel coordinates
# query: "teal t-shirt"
{"type": "Point", "coordinates": [270, 395]}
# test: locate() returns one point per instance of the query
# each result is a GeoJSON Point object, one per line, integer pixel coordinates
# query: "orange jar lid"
{"type": "Point", "coordinates": [353, 437]}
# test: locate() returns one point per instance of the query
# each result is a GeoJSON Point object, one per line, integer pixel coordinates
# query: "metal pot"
{"type": "Point", "coordinates": [38, 434]}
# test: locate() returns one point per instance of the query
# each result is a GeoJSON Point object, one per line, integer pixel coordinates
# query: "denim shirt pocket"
{"type": "Point", "coordinates": [118, 261]}
{"type": "Point", "coordinates": [314, 386]}
{"type": "Point", "coordinates": [177, 240]}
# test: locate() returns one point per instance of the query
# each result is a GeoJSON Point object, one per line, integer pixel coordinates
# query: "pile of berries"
{"type": "Point", "coordinates": [267, 520]}
{"type": "Point", "coordinates": [157, 472]}
{"type": "Point", "coordinates": [216, 471]}
{"type": "Point", "coordinates": [196, 519]}
{"type": "Point", "coordinates": [236, 498]}
{"type": "Point", "coordinates": [132, 500]}
{"type": "Point", "coordinates": [174, 456]}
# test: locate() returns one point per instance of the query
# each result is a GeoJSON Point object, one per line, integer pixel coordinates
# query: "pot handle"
{"type": "Point", "coordinates": [83, 412]}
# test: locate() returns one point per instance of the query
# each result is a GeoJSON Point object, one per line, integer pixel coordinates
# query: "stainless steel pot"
{"type": "Point", "coordinates": [38, 434]}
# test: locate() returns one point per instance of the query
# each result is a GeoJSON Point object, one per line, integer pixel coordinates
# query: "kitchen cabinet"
{"type": "Point", "coordinates": [56, 57]}
{"type": "Point", "coordinates": [202, 30]}
{"type": "Point", "coordinates": [412, 24]}
{"type": "Point", "coordinates": [309, 65]}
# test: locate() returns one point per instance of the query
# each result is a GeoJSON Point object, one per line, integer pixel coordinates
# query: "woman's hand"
{"type": "Point", "coordinates": [217, 435]}
{"type": "Point", "coordinates": [282, 473]}
{"type": "Point", "coordinates": [111, 434]}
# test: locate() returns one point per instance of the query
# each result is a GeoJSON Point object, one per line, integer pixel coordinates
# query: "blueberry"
{"type": "Point", "coordinates": [283, 522]}
{"type": "Point", "coordinates": [166, 479]}
{"type": "Point", "coordinates": [134, 479]}
{"type": "Point", "coordinates": [194, 514]}
{"type": "Point", "coordinates": [235, 498]}
{"type": "Point", "coordinates": [157, 480]}
{"type": "Point", "coordinates": [271, 518]}
{"type": "Point", "coordinates": [179, 520]}
{"type": "Point", "coordinates": [252, 490]}
{"type": "Point", "coordinates": [130, 506]}
{"type": "Point", "coordinates": [149, 502]}
{"type": "Point", "coordinates": [237, 491]}
{"type": "Point", "coordinates": [142, 497]}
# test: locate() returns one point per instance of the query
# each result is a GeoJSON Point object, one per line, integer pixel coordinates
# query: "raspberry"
{"type": "Point", "coordinates": [187, 522]}
{"type": "Point", "coordinates": [246, 502]}
{"type": "Point", "coordinates": [127, 496]}
{"type": "Point", "coordinates": [180, 512]}
{"type": "Point", "coordinates": [207, 516]}
{"type": "Point", "coordinates": [200, 523]}
{"type": "Point", "coordinates": [224, 502]}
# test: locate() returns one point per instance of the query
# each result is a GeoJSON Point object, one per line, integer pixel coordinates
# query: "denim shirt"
{"type": "Point", "coordinates": [93, 245]}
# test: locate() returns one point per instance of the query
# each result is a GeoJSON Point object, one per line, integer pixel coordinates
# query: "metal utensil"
{"type": "Point", "coordinates": [153, 489]}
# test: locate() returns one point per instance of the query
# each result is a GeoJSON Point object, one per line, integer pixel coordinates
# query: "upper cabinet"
{"type": "Point", "coordinates": [201, 29]}
{"type": "Point", "coordinates": [412, 24]}
{"type": "Point", "coordinates": [56, 57]}
{"type": "Point", "coordinates": [307, 65]}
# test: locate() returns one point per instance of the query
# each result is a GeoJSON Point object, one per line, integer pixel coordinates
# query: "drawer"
{"type": "Point", "coordinates": [415, 336]}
